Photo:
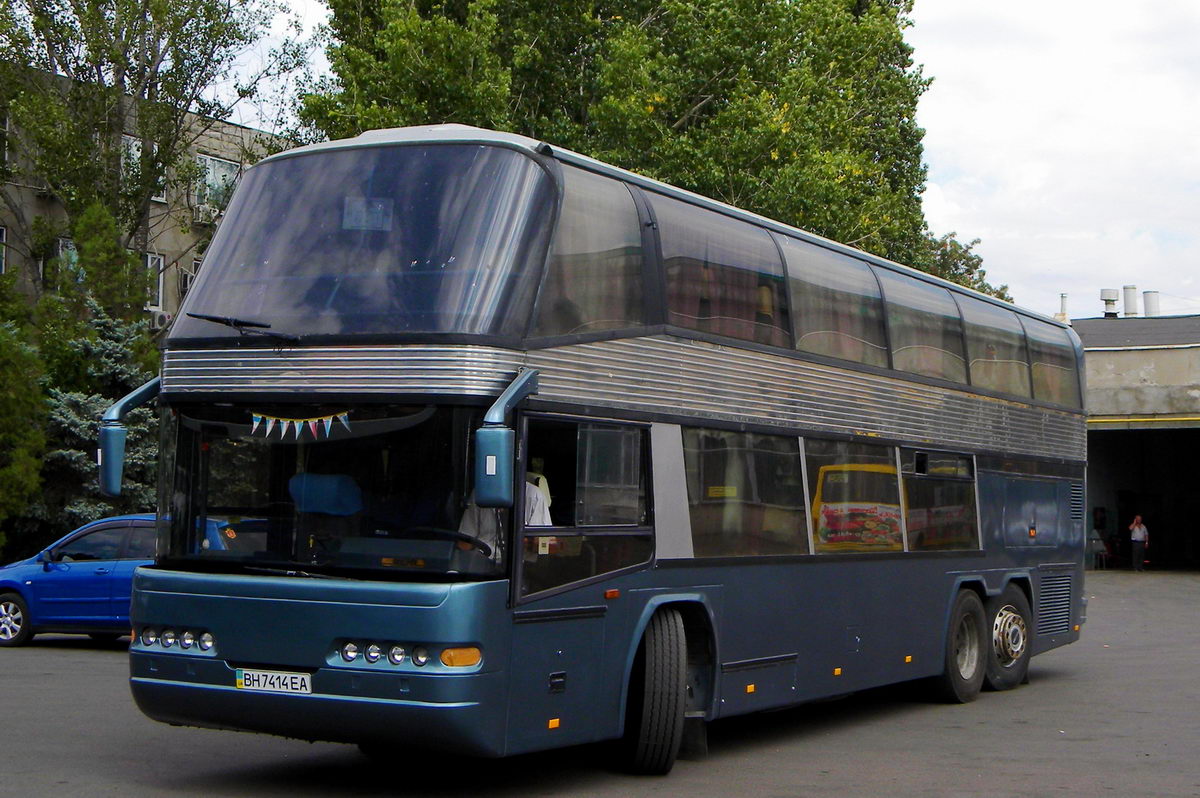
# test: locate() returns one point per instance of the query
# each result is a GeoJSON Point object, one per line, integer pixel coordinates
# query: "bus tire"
{"type": "Point", "coordinates": [15, 627]}
{"type": "Point", "coordinates": [966, 650]}
{"type": "Point", "coordinates": [1009, 647]}
{"type": "Point", "coordinates": [657, 696]}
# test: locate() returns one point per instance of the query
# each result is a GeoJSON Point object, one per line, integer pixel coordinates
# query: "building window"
{"type": "Point", "coordinates": [215, 182]}
{"type": "Point", "coordinates": [154, 272]}
{"type": "Point", "coordinates": [187, 277]}
{"type": "Point", "coordinates": [131, 165]}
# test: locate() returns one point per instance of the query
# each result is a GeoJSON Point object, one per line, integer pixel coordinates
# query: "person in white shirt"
{"type": "Point", "coordinates": [1139, 536]}
{"type": "Point", "coordinates": [483, 522]}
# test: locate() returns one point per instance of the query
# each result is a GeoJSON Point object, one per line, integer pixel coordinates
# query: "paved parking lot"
{"type": "Point", "coordinates": [1117, 713]}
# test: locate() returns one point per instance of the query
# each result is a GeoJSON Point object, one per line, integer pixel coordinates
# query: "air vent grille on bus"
{"type": "Point", "coordinates": [1054, 605]}
{"type": "Point", "coordinates": [1076, 501]}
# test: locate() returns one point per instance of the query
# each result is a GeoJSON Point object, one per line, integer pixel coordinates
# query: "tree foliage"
{"type": "Point", "coordinates": [22, 412]}
{"type": "Point", "coordinates": [106, 99]}
{"type": "Point", "coordinates": [800, 110]}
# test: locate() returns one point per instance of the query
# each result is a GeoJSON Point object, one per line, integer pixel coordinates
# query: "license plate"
{"type": "Point", "coordinates": [274, 681]}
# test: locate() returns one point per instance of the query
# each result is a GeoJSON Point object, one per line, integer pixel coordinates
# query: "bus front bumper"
{"type": "Point", "coordinates": [456, 712]}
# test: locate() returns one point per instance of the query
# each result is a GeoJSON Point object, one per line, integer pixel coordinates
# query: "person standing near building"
{"type": "Point", "coordinates": [1140, 538]}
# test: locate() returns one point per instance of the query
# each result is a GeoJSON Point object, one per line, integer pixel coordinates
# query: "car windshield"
{"type": "Point", "coordinates": [382, 240]}
{"type": "Point", "coordinates": [353, 491]}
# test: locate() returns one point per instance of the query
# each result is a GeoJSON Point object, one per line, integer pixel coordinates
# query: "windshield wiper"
{"type": "Point", "coordinates": [246, 326]}
{"type": "Point", "coordinates": [288, 572]}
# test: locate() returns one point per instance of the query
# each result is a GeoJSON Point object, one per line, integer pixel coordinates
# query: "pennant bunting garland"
{"type": "Point", "coordinates": [315, 426]}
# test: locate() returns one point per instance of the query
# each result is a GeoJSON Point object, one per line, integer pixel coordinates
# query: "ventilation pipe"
{"type": "Point", "coordinates": [1109, 297]}
{"type": "Point", "coordinates": [1130, 301]}
{"type": "Point", "coordinates": [1150, 303]}
{"type": "Point", "coordinates": [1062, 309]}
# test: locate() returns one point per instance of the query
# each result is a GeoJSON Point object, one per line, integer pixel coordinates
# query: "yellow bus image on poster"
{"type": "Point", "coordinates": [856, 507]}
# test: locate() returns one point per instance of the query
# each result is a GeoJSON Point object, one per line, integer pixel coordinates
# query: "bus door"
{"type": "Point", "coordinates": [587, 518]}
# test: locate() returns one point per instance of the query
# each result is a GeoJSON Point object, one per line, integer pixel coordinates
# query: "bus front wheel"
{"type": "Point", "coordinates": [967, 650]}
{"type": "Point", "coordinates": [657, 696]}
{"type": "Point", "coordinates": [1008, 651]}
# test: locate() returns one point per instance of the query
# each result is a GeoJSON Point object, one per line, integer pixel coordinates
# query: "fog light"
{"type": "Point", "coordinates": [396, 655]}
{"type": "Point", "coordinates": [350, 652]}
{"type": "Point", "coordinates": [420, 656]}
{"type": "Point", "coordinates": [461, 657]}
{"type": "Point", "coordinates": [187, 639]}
{"type": "Point", "coordinates": [373, 653]}
{"type": "Point", "coordinates": [168, 638]}
{"type": "Point", "coordinates": [206, 641]}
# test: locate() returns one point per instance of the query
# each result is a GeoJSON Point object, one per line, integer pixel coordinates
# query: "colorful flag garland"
{"type": "Point", "coordinates": [297, 425]}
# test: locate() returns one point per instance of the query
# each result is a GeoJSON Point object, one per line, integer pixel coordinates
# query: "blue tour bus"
{"type": "Point", "coordinates": [520, 450]}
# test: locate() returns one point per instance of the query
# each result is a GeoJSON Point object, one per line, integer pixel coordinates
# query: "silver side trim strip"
{"type": "Point", "coordinates": [660, 374]}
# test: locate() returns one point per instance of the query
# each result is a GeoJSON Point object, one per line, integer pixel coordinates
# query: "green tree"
{"type": "Point", "coordinates": [953, 260]}
{"type": "Point", "coordinates": [800, 110]}
{"type": "Point", "coordinates": [105, 99]}
{"type": "Point", "coordinates": [22, 413]}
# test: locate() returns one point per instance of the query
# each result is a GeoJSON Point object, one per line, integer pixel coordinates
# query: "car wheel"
{"type": "Point", "coordinates": [15, 629]}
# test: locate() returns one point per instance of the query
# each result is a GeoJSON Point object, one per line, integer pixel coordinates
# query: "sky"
{"type": "Point", "coordinates": [1065, 134]}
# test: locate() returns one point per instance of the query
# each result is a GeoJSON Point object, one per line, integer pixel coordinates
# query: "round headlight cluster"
{"type": "Point", "coordinates": [397, 654]}
{"type": "Point", "coordinates": [169, 638]}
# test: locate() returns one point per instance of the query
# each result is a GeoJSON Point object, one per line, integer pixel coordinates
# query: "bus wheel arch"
{"type": "Point", "coordinates": [669, 682]}
{"type": "Point", "coordinates": [1010, 629]}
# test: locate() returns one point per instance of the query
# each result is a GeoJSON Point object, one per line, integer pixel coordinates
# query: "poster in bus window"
{"type": "Point", "coordinates": [856, 509]}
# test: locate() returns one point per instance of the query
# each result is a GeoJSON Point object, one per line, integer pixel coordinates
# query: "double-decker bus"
{"type": "Point", "coordinates": [510, 449]}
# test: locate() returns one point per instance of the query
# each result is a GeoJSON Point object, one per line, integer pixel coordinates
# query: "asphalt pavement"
{"type": "Point", "coordinates": [1117, 713]}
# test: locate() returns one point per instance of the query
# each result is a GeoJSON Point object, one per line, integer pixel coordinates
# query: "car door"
{"type": "Point", "coordinates": [139, 550]}
{"type": "Point", "coordinates": [76, 586]}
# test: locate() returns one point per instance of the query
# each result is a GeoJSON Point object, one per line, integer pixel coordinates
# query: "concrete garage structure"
{"type": "Point", "coordinates": [1143, 401]}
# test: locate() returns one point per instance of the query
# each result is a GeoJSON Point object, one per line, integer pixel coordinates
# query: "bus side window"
{"type": "Point", "coordinates": [594, 275]}
{"type": "Point", "coordinates": [855, 497]}
{"type": "Point", "coordinates": [939, 501]}
{"type": "Point", "coordinates": [745, 493]}
{"type": "Point", "coordinates": [596, 481]}
{"type": "Point", "coordinates": [835, 304]}
{"type": "Point", "coordinates": [724, 276]}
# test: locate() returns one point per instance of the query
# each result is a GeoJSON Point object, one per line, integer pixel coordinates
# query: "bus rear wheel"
{"type": "Point", "coordinates": [657, 696]}
{"type": "Point", "coordinates": [1008, 650]}
{"type": "Point", "coordinates": [966, 650]}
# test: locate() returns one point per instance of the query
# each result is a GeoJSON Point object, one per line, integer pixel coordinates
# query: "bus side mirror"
{"type": "Point", "coordinates": [111, 458]}
{"type": "Point", "coordinates": [495, 451]}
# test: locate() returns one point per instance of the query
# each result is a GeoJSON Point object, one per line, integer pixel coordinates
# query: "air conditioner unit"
{"type": "Point", "coordinates": [160, 320]}
{"type": "Point", "coordinates": [205, 214]}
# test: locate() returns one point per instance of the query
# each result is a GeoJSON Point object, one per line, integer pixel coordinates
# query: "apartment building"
{"type": "Point", "coordinates": [181, 220]}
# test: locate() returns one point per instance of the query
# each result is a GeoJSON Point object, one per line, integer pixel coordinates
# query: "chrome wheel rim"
{"type": "Point", "coordinates": [11, 620]}
{"type": "Point", "coordinates": [1009, 636]}
{"type": "Point", "coordinates": [966, 648]}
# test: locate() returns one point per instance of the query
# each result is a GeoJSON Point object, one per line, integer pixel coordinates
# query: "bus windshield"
{"type": "Point", "coordinates": [328, 490]}
{"type": "Point", "coordinates": [378, 240]}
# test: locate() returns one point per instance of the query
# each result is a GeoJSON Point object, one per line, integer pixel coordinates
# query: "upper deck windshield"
{"type": "Point", "coordinates": [377, 492]}
{"type": "Point", "coordinates": [439, 238]}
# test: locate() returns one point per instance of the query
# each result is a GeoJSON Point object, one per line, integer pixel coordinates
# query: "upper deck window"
{"type": "Point", "coordinates": [724, 276]}
{"type": "Point", "coordinates": [1052, 357]}
{"type": "Point", "coordinates": [995, 347]}
{"type": "Point", "coordinates": [594, 277]}
{"type": "Point", "coordinates": [926, 330]}
{"type": "Point", "coordinates": [835, 303]}
{"type": "Point", "coordinates": [383, 240]}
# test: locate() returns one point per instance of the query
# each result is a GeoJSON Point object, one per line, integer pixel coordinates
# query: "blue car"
{"type": "Point", "coordinates": [80, 584]}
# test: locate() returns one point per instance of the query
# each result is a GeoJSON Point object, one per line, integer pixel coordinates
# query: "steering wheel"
{"type": "Point", "coordinates": [447, 534]}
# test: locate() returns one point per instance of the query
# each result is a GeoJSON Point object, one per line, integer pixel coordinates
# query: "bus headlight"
{"type": "Point", "coordinates": [206, 641]}
{"type": "Point", "coordinates": [420, 656]}
{"type": "Point", "coordinates": [187, 639]}
{"type": "Point", "coordinates": [149, 636]}
{"type": "Point", "coordinates": [350, 652]}
{"type": "Point", "coordinates": [168, 638]}
{"type": "Point", "coordinates": [396, 655]}
{"type": "Point", "coordinates": [373, 653]}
